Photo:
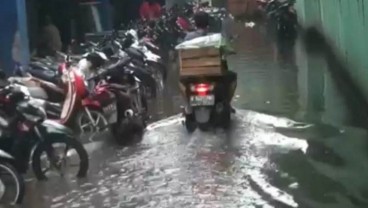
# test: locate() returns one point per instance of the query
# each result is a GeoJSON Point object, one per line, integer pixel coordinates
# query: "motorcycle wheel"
{"type": "Point", "coordinates": [9, 177]}
{"type": "Point", "coordinates": [129, 131]}
{"type": "Point", "coordinates": [72, 143]}
{"type": "Point", "coordinates": [84, 124]}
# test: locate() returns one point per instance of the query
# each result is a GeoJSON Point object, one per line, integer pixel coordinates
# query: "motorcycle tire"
{"type": "Point", "coordinates": [78, 118]}
{"type": "Point", "coordinates": [129, 131]}
{"type": "Point", "coordinates": [190, 123]}
{"type": "Point", "coordinates": [71, 142]}
{"type": "Point", "coordinates": [18, 180]}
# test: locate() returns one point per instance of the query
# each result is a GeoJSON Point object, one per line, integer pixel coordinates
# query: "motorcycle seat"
{"type": "Point", "coordinates": [47, 75]}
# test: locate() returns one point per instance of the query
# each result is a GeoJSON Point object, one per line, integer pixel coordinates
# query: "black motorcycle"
{"type": "Point", "coordinates": [27, 135]}
{"type": "Point", "coordinates": [120, 91]}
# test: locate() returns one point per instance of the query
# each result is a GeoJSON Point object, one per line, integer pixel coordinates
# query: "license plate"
{"type": "Point", "coordinates": [207, 100]}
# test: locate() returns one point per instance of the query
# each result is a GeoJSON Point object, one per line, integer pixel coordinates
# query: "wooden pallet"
{"type": "Point", "coordinates": [201, 61]}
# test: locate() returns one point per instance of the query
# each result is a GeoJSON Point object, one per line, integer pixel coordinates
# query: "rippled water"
{"type": "Point", "coordinates": [308, 154]}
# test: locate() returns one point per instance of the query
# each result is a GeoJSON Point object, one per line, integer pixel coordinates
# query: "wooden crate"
{"type": "Point", "coordinates": [201, 61]}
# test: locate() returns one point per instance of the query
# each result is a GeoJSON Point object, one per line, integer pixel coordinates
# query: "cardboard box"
{"type": "Point", "coordinates": [201, 61]}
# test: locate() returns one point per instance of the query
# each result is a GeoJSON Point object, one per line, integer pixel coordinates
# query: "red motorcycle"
{"type": "Point", "coordinates": [123, 106]}
{"type": "Point", "coordinates": [63, 101]}
{"type": "Point", "coordinates": [71, 110]}
{"type": "Point", "coordinates": [83, 116]}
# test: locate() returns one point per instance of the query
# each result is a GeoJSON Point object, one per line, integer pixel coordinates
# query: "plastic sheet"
{"type": "Point", "coordinates": [213, 40]}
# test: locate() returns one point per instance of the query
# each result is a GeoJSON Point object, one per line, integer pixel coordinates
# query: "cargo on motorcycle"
{"type": "Point", "coordinates": [205, 82]}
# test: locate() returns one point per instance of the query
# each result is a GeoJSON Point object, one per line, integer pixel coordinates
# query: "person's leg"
{"type": "Point", "coordinates": [183, 83]}
{"type": "Point", "coordinates": [230, 80]}
{"type": "Point", "coordinates": [232, 83]}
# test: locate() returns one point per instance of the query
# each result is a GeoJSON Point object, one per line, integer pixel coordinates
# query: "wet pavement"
{"type": "Point", "coordinates": [293, 143]}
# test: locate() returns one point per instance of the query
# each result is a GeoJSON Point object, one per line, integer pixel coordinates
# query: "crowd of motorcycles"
{"type": "Point", "coordinates": [55, 101]}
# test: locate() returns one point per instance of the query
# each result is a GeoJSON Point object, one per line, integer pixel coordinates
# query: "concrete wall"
{"type": "Point", "coordinates": [345, 23]}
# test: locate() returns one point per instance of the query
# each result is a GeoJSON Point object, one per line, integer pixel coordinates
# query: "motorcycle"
{"type": "Point", "coordinates": [11, 182]}
{"type": "Point", "coordinates": [207, 101]}
{"type": "Point", "coordinates": [70, 109]}
{"type": "Point", "coordinates": [27, 134]}
{"type": "Point", "coordinates": [124, 106]}
{"type": "Point", "coordinates": [143, 57]}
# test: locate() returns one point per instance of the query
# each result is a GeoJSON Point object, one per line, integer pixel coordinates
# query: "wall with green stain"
{"type": "Point", "coordinates": [345, 24]}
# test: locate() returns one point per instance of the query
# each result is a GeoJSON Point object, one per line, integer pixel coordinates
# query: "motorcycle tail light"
{"type": "Point", "coordinates": [202, 89]}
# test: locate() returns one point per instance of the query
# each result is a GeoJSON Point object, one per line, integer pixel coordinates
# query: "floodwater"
{"type": "Point", "coordinates": [294, 143]}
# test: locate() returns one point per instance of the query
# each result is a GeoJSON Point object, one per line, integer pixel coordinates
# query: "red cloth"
{"type": "Point", "coordinates": [183, 23]}
{"type": "Point", "coordinates": [149, 12]}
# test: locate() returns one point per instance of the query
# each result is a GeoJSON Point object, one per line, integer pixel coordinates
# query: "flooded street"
{"type": "Point", "coordinates": [294, 142]}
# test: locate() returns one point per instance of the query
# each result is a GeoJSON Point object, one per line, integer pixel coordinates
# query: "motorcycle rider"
{"type": "Point", "coordinates": [202, 20]}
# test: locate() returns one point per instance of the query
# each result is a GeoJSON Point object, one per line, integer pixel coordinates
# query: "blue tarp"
{"type": "Point", "coordinates": [8, 26]}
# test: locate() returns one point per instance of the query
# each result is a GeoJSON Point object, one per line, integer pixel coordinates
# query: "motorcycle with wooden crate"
{"type": "Point", "coordinates": [206, 83]}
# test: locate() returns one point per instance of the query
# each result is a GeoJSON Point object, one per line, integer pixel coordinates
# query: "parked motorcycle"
{"type": "Point", "coordinates": [11, 182]}
{"type": "Point", "coordinates": [69, 109]}
{"type": "Point", "coordinates": [27, 134]}
{"type": "Point", "coordinates": [124, 105]}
